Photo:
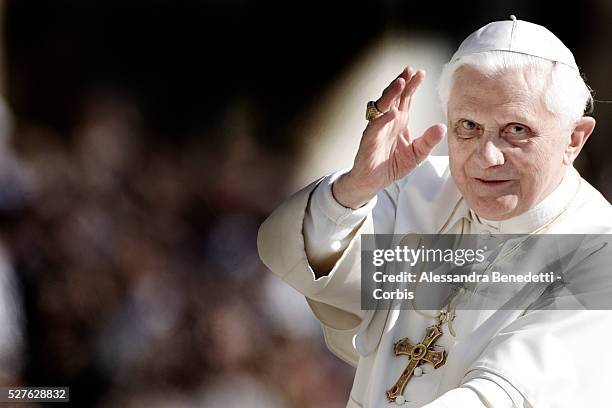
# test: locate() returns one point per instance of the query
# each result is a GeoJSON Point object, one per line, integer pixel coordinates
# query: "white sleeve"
{"type": "Point", "coordinates": [329, 226]}
{"type": "Point", "coordinates": [481, 390]}
{"type": "Point", "coordinates": [334, 296]}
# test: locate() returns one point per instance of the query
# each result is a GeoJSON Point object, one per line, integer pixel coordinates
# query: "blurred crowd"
{"type": "Point", "coordinates": [135, 266]}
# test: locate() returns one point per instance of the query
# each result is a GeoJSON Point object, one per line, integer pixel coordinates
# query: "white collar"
{"type": "Point", "coordinates": [535, 217]}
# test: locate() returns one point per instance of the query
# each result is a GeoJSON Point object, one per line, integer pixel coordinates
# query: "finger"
{"type": "Point", "coordinates": [423, 146]}
{"type": "Point", "coordinates": [405, 99]}
{"type": "Point", "coordinates": [390, 94]}
{"type": "Point", "coordinates": [378, 123]}
{"type": "Point", "coordinates": [406, 73]}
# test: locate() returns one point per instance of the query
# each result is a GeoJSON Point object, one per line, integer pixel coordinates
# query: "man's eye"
{"type": "Point", "coordinates": [467, 129]}
{"type": "Point", "coordinates": [516, 129]}
{"type": "Point", "coordinates": [468, 125]}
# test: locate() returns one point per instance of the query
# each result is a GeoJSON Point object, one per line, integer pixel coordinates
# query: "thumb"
{"type": "Point", "coordinates": [423, 145]}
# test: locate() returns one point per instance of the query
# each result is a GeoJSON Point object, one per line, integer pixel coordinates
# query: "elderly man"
{"type": "Point", "coordinates": [515, 104]}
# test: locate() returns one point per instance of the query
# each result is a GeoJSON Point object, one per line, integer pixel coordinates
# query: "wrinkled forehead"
{"type": "Point", "coordinates": [515, 93]}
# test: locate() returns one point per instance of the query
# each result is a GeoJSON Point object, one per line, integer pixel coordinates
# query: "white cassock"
{"type": "Point", "coordinates": [497, 358]}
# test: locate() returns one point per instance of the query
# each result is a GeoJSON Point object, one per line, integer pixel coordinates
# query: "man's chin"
{"type": "Point", "coordinates": [496, 208]}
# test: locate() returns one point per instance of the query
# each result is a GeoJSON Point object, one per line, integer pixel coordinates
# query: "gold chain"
{"type": "Point", "coordinates": [445, 315]}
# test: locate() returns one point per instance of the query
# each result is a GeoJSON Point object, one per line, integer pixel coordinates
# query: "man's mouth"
{"type": "Point", "coordinates": [493, 182]}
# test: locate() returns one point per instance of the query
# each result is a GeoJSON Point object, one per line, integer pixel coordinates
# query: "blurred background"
{"type": "Point", "coordinates": [142, 144]}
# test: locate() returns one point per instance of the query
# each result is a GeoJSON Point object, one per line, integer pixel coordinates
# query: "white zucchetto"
{"type": "Point", "coordinates": [517, 36]}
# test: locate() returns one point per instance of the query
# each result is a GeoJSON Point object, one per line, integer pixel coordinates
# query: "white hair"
{"type": "Point", "coordinates": [567, 96]}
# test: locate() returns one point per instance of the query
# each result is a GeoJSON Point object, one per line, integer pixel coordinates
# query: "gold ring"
{"type": "Point", "coordinates": [372, 111]}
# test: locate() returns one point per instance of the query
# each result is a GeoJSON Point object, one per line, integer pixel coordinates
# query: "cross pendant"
{"type": "Point", "coordinates": [418, 354]}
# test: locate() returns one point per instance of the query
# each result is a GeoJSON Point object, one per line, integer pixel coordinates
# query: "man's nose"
{"type": "Point", "coordinates": [490, 155]}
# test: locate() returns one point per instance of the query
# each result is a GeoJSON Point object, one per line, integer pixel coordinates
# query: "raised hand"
{"type": "Point", "coordinates": [387, 151]}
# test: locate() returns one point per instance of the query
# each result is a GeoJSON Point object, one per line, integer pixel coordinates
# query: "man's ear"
{"type": "Point", "coordinates": [583, 129]}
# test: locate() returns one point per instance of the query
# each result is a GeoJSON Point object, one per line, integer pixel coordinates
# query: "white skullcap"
{"type": "Point", "coordinates": [517, 36]}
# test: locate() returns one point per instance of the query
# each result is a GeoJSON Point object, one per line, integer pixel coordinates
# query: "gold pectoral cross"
{"type": "Point", "coordinates": [418, 354]}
